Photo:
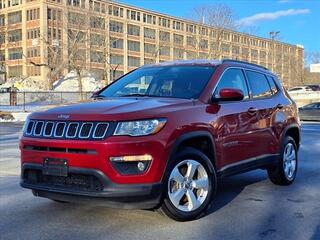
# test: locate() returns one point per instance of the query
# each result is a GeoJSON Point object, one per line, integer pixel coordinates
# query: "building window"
{"type": "Point", "coordinates": [33, 33]}
{"type": "Point", "coordinates": [96, 6]}
{"type": "Point", "coordinates": [149, 48]}
{"type": "Point", "coordinates": [133, 61]}
{"type": "Point", "coordinates": [204, 31]}
{"type": "Point", "coordinates": [54, 33]}
{"type": "Point", "coordinates": [178, 39]}
{"type": "Point", "coordinates": [74, 3]}
{"type": "Point", "coordinates": [203, 44]}
{"type": "Point", "coordinates": [163, 22]}
{"type": "Point", "coordinates": [2, 55]}
{"type": "Point", "coordinates": [225, 48]}
{"type": "Point", "coordinates": [116, 43]}
{"type": "Point", "coordinates": [96, 57]}
{"type": "Point", "coordinates": [116, 59]}
{"type": "Point", "coordinates": [178, 25]}
{"type": "Point", "coordinates": [147, 18]}
{"type": "Point", "coordinates": [97, 39]}
{"type": "Point", "coordinates": [54, 14]}
{"type": "Point", "coordinates": [164, 36]}
{"type": "Point", "coordinates": [33, 14]}
{"type": "Point", "coordinates": [133, 30]}
{"type": "Point", "coordinates": [77, 18]}
{"type": "Point", "coordinates": [115, 11]}
{"type": "Point", "coordinates": [33, 52]}
{"type": "Point", "coordinates": [116, 26]}
{"type": "Point", "coordinates": [12, 3]}
{"type": "Point", "coordinates": [149, 33]}
{"type": "Point", "coordinates": [164, 51]}
{"type": "Point", "coordinates": [226, 36]}
{"type": "Point", "coordinates": [178, 53]}
{"type": "Point", "coordinates": [235, 38]}
{"type": "Point", "coordinates": [134, 46]}
{"type": "Point", "coordinates": [254, 53]}
{"type": "Point", "coordinates": [191, 28]}
{"type": "Point", "coordinates": [14, 17]}
{"type": "Point", "coordinates": [97, 22]}
{"type": "Point", "coordinates": [235, 50]}
{"type": "Point", "coordinates": [191, 41]}
{"type": "Point", "coordinates": [133, 15]}
{"type": "Point", "coordinates": [2, 20]}
{"type": "Point", "coordinates": [263, 54]}
{"type": "Point", "coordinates": [15, 35]}
{"type": "Point", "coordinates": [15, 71]}
{"type": "Point", "coordinates": [2, 4]}
{"type": "Point", "coordinates": [191, 55]}
{"type": "Point", "coordinates": [15, 53]}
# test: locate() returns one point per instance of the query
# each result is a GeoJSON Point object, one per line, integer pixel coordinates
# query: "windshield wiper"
{"type": "Point", "coordinates": [135, 95]}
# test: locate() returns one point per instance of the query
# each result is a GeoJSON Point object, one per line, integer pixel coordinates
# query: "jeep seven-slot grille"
{"type": "Point", "coordinates": [66, 129]}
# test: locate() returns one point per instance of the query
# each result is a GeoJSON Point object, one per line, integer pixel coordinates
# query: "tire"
{"type": "Point", "coordinates": [284, 173]}
{"type": "Point", "coordinates": [183, 200]}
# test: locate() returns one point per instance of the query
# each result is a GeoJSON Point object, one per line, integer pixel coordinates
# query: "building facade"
{"type": "Point", "coordinates": [44, 39]}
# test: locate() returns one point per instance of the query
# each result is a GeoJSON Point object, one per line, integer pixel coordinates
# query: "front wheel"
{"type": "Point", "coordinates": [189, 187]}
{"type": "Point", "coordinates": [286, 170]}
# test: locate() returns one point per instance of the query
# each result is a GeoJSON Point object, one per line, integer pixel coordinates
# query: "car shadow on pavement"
{"type": "Point", "coordinates": [230, 187]}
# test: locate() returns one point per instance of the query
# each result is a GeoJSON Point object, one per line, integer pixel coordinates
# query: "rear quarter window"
{"type": "Point", "coordinates": [273, 85]}
{"type": "Point", "coordinates": [259, 85]}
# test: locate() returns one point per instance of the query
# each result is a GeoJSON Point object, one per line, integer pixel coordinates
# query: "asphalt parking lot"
{"type": "Point", "coordinates": [248, 206]}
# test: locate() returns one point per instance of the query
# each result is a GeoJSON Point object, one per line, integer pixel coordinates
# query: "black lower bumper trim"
{"type": "Point", "coordinates": [128, 196]}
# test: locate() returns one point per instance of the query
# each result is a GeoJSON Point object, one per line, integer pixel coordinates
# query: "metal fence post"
{"type": "Point", "coordinates": [24, 101]}
{"type": "Point", "coordinates": [61, 98]}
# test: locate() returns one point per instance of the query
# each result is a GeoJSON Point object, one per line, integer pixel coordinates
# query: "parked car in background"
{"type": "Point", "coordinates": [300, 90]}
{"type": "Point", "coordinates": [314, 87]}
{"type": "Point", "coordinates": [310, 112]}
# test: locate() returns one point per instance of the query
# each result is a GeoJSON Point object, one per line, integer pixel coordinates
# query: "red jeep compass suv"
{"type": "Point", "coordinates": [161, 136]}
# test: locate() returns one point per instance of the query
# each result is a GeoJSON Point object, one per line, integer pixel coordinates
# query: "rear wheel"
{"type": "Point", "coordinates": [286, 170]}
{"type": "Point", "coordinates": [189, 187]}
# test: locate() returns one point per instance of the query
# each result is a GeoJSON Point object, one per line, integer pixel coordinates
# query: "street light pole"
{"type": "Point", "coordinates": [273, 35]}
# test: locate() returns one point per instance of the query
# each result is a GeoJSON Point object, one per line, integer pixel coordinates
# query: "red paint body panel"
{"type": "Point", "coordinates": [237, 133]}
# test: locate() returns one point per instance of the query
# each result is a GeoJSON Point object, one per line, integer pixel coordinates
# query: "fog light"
{"type": "Point", "coordinates": [141, 166]}
{"type": "Point", "coordinates": [131, 158]}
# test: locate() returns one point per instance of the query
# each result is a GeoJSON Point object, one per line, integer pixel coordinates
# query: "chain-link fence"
{"type": "Point", "coordinates": [29, 101]}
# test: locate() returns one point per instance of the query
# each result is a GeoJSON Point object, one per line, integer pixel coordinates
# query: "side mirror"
{"type": "Point", "coordinates": [229, 94]}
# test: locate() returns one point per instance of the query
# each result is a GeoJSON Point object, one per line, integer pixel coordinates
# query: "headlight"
{"type": "Point", "coordinates": [140, 128]}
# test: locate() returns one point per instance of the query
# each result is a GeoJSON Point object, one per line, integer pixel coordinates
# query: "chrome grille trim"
{"type": "Point", "coordinates": [75, 133]}
{"type": "Point", "coordinates": [35, 128]}
{"type": "Point", "coordinates": [80, 136]}
{"type": "Point", "coordinates": [45, 127]}
{"type": "Point", "coordinates": [31, 131]}
{"type": "Point", "coordinates": [55, 130]}
{"type": "Point", "coordinates": [95, 129]}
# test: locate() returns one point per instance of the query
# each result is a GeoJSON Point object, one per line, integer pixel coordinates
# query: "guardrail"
{"type": "Point", "coordinates": [28, 101]}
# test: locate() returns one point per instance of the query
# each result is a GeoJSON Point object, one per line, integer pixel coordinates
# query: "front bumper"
{"type": "Point", "coordinates": [128, 196]}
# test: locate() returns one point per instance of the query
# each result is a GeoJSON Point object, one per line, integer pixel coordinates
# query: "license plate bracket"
{"type": "Point", "coordinates": [55, 167]}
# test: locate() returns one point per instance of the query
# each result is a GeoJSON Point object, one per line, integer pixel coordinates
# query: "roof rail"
{"type": "Point", "coordinates": [238, 61]}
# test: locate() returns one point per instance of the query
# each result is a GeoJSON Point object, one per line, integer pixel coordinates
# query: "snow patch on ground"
{"type": "Point", "coordinates": [70, 83]}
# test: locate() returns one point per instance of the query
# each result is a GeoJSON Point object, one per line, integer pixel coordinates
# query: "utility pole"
{"type": "Point", "coordinates": [273, 35]}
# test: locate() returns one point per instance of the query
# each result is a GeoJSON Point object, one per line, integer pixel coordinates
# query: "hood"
{"type": "Point", "coordinates": [115, 109]}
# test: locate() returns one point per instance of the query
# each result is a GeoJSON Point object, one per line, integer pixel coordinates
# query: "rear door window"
{"type": "Point", "coordinates": [272, 85]}
{"type": "Point", "coordinates": [259, 85]}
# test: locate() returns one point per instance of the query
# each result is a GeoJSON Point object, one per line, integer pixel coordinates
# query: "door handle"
{"type": "Point", "coordinates": [280, 106]}
{"type": "Point", "coordinates": [252, 110]}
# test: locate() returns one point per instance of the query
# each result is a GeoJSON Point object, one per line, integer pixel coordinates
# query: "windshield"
{"type": "Point", "coordinates": [164, 81]}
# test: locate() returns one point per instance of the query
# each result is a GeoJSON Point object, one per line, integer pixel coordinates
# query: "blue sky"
{"type": "Point", "coordinates": [297, 20]}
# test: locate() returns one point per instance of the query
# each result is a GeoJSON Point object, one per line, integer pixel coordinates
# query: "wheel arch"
{"type": "Point", "coordinates": [292, 130]}
{"type": "Point", "coordinates": [194, 139]}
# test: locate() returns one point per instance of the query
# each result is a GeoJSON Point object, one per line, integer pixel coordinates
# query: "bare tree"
{"type": "Point", "coordinates": [222, 18]}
